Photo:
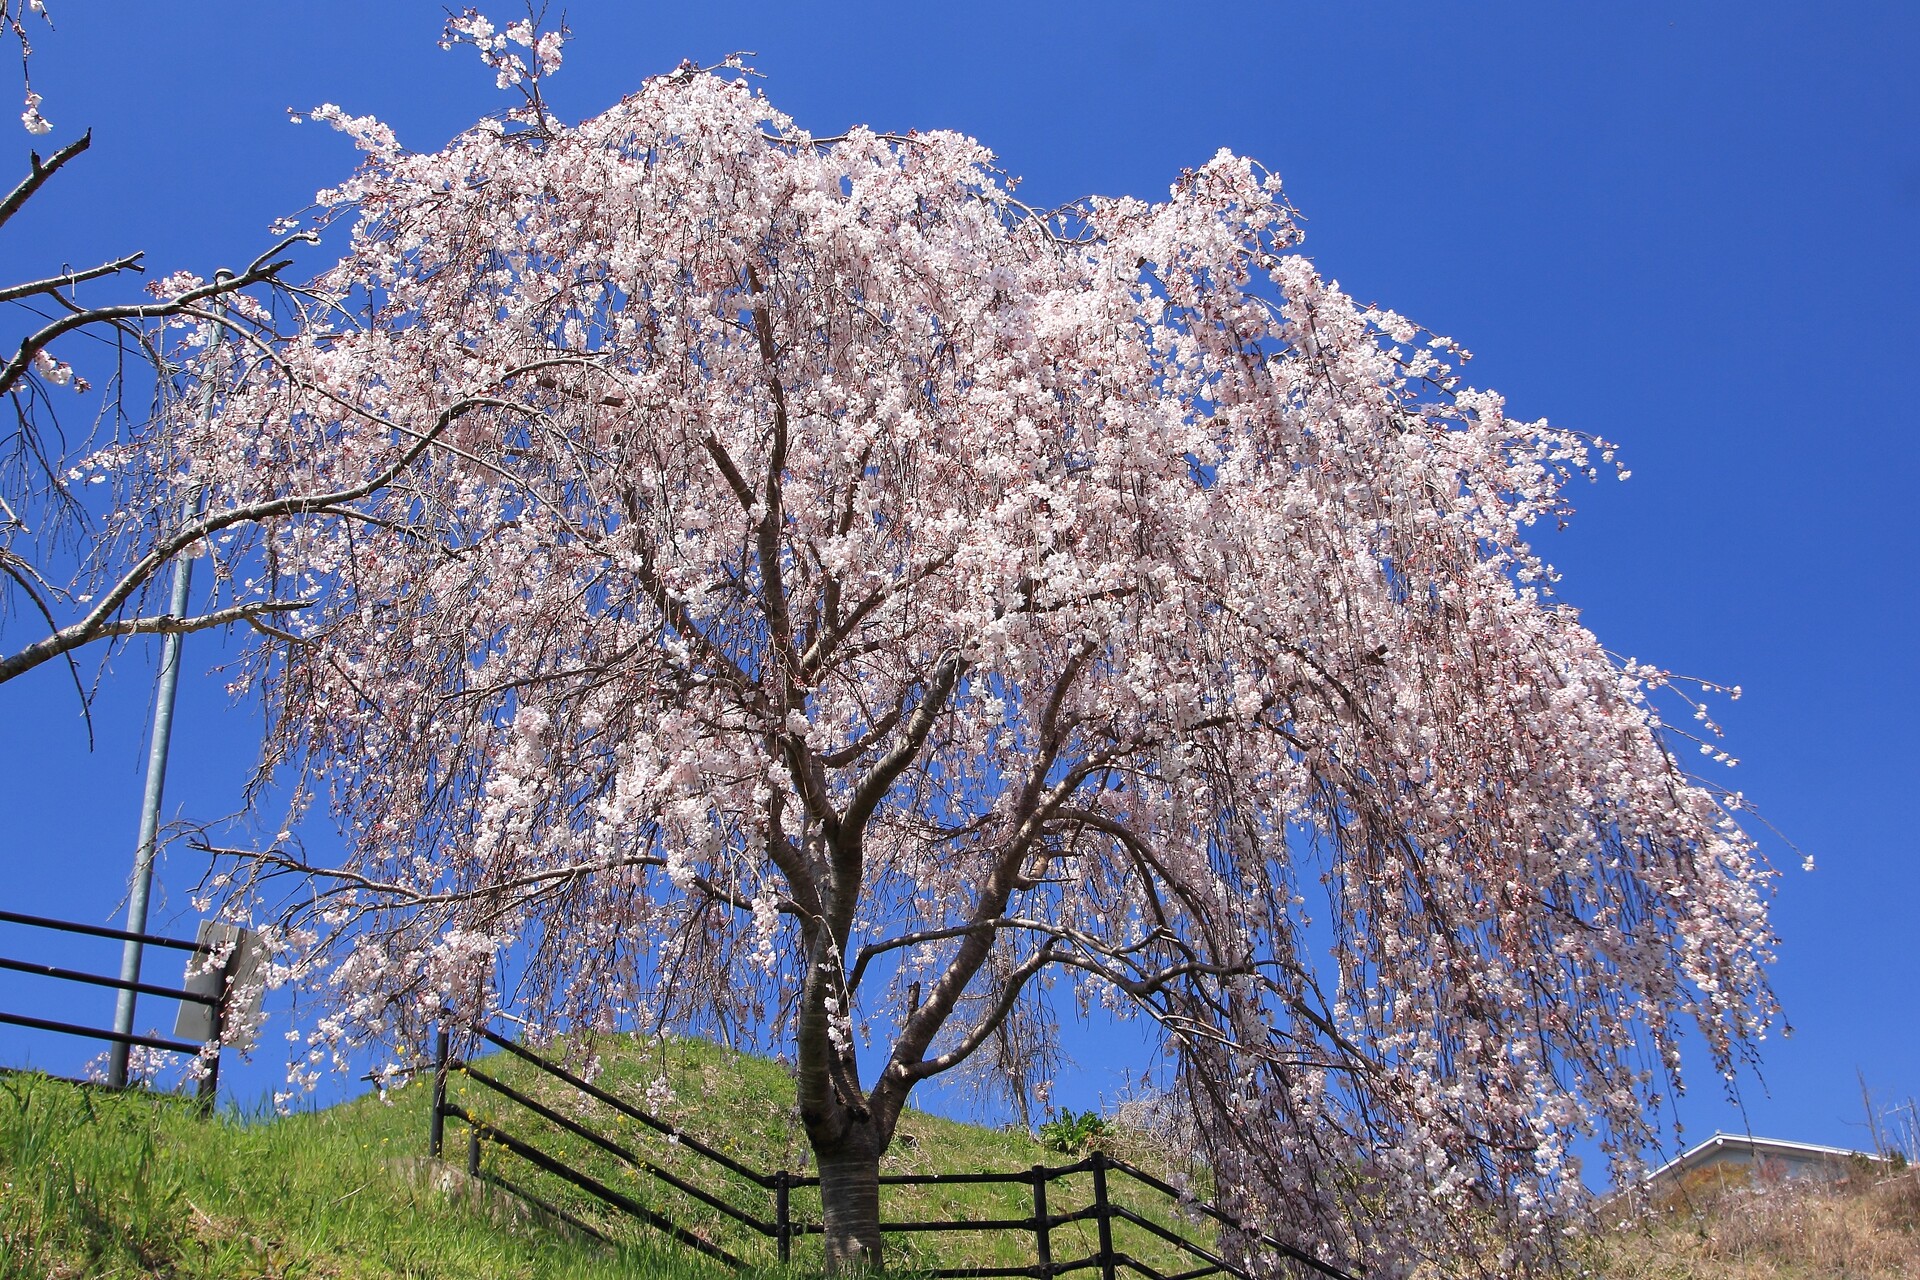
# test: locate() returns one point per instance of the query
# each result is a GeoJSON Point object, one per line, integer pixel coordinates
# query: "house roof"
{"type": "Point", "coordinates": [1759, 1146]}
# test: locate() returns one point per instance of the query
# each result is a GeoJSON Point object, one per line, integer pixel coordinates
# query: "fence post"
{"type": "Point", "coordinates": [782, 1218]}
{"type": "Point", "coordinates": [209, 1088]}
{"type": "Point", "coordinates": [473, 1152]}
{"type": "Point", "coordinates": [437, 1118]}
{"type": "Point", "coordinates": [1105, 1214]}
{"type": "Point", "coordinates": [1042, 1226]}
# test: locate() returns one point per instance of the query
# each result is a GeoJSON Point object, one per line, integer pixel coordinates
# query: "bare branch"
{"type": "Point", "coordinates": [1003, 1004]}
{"type": "Point", "coordinates": [38, 174]}
{"type": "Point", "coordinates": [96, 623]}
{"type": "Point", "coordinates": [53, 284]}
{"type": "Point", "coordinates": [69, 638]}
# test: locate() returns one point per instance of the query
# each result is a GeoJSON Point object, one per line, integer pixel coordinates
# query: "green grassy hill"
{"type": "Point", "coordinates": [94, 1183]}
{"type": "Point", "coordinates": [138, 1185]}
{"type": "Point", "coordinates": [101, 1184]}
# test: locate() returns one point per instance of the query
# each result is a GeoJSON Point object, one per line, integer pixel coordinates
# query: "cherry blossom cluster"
{"type": "Point", "coordinates": [496, 47]}
{"type": "Point", "coordinates": [13, 26]}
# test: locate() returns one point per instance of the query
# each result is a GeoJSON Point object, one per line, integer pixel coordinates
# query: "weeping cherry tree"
{"type": "Point", "coordinates": [785, 583]}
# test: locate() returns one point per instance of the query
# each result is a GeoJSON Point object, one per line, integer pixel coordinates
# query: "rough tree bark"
{"type": "Point", "coordinates": [850, 1196]}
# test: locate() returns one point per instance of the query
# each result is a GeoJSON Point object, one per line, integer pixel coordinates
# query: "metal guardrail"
{"type": "Point", "coordinates": [784, 1227]}
{"type": "Point", "coordinates": [209, 1082]}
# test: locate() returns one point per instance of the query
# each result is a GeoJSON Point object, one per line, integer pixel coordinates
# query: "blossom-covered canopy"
{"type": "Point", "coordinates": [786, 582]}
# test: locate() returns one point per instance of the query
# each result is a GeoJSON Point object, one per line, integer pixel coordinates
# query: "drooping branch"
{"type": "Point", "coordinates": [261, 271]}
{"type": "Point", "coordinates": [1003, 1002]}
{"type": "Point", "coordinates": [99, 621]}
{"type": "Point", "coordinates": [499, 892]}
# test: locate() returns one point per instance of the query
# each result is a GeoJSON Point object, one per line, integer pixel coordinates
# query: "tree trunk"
{"type": "Point", "coordinates": [850, 1199]}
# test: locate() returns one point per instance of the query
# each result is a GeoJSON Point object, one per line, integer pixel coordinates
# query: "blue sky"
{"type": "Point", "coordinates": [1690, 228]}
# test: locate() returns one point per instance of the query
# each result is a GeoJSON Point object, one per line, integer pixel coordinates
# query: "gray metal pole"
{"type": "Point", "coordinates": [163, 699]}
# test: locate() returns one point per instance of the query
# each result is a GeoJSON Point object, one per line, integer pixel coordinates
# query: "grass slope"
{"type": "Point", "coordinates": [124, 1185]}
{"type": "Point", "coordinates": [94, 1183]}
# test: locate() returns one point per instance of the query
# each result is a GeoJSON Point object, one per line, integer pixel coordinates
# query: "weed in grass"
{"type": "Point", "coordinates": [1071, 1133]}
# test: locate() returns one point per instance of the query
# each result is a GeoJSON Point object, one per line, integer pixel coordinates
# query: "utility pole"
{"type": "Point", "coordinates": [163, 700]}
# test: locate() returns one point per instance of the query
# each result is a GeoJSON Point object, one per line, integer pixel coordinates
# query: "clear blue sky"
{"type": "Point", "coordinates": [1693, 228]}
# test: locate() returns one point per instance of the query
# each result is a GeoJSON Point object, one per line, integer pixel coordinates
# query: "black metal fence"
{"type": "Point", "coordinates": [786, 1224]}
{"type": "Point", "coordinates": [209, 1081]}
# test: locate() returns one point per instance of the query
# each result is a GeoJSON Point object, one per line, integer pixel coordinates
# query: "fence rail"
{"type": "Point", "coordinates": [209, 1082]}
{"type": "Point", "coordinates": [785, 1225]}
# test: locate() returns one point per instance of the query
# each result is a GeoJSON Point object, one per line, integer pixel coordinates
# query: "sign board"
{"type": "Point", "coordinates": [244, 958]}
